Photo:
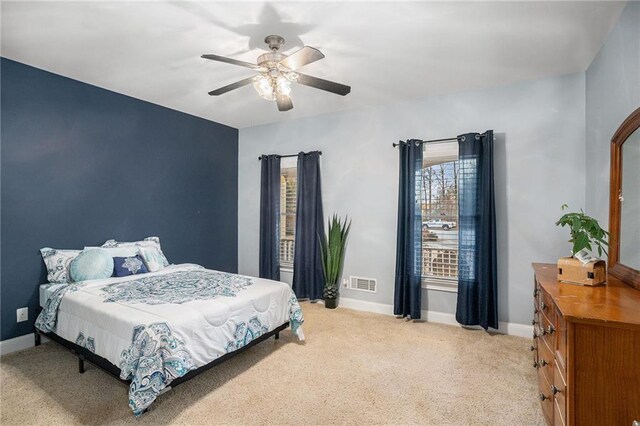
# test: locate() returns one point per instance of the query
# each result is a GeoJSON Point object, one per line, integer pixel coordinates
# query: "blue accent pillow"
{"type": "Point", "coordinates": [131, 265]}
{"type": "Point", "coordinates": [91, 265]}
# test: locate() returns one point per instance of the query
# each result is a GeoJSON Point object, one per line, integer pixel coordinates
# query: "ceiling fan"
{"type": "Point", "coordinates": [277, 71]}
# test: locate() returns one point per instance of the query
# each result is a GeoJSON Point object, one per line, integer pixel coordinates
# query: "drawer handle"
{"type": "Point", "coordinates": [544, 332]}
{"type": "Point", "coordinates": [554, 389]}
{"type": "Point", "coordinates": [534, 322]}
{"type": "Point", "coordinates": [543, 306]}
{"type": "Point", "coordinates": [543, 362]}
{"type": "Point", "coordinates": [535, 365]}
{"type": "Point", "coordinates": [532, 348]}
{"type": "Point", "coordinates": [551, 330]}
{"type": "Point", "coordinates": [542, 396]}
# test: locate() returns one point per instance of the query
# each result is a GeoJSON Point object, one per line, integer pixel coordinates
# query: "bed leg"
{"type": "Point", "coordinates": [277, 336]}
{"type": "Point", "coordinates": [36, 336]}
{"type": "Point", "coordinates": [80, 363]}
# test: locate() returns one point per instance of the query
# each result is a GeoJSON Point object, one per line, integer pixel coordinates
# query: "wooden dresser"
{"type": "Point", "coordinates": [586, 350]}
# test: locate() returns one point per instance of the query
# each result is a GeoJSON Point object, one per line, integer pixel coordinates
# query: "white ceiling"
{"type": "Point", "coordinates": [387, 52]}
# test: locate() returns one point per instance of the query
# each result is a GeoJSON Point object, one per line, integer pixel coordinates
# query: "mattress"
{"type": "Point", "coordinates": [158, 326]}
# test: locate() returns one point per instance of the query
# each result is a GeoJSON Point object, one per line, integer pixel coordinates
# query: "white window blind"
{"type": "Point", "coordinates": [439, 200]}
{"type": "Point", "coordinates": [288, 198]}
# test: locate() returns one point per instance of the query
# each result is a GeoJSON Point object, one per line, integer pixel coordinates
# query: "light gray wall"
{"type": "Point", "coordinates": [539, 165]}
{"type": "Point", "coordinates": [613, 92]}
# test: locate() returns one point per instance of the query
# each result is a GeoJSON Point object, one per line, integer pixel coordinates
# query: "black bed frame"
{"type": "Point", "coordinates": [85, 355]}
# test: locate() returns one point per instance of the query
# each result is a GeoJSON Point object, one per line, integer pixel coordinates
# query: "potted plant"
{"type": "Point", "coordinates": [586, 236]}
{"type": "Point", "coordinates": [332, 250]}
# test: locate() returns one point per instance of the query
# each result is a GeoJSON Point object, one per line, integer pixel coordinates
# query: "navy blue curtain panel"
{"type": "Point", "coordinates": [408, 288]}
{"type": "Point", "coordinates": [270, 218]}
{"type": "Point", "coordinates": [477, 269]}
{"type": "Point", "coordinates": [308, 276]}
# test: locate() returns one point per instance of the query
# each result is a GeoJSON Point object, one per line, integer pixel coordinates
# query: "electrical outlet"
{"type": "Point", "coordinates": [22, 314]}
{"type": "Point", "coordinates": [345, 282]}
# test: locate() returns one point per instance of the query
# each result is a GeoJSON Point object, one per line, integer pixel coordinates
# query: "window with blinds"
{"type": "Point", "coordinates": [439, 200]}
{"type": "Point", "coordinates": [288, 194]}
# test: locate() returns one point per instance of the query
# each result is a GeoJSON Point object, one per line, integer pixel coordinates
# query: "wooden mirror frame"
{"type": "Point", "coordinates": [625, 273]}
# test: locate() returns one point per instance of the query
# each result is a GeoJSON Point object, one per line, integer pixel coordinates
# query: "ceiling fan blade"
{"type": "Point", "coordinates": [231, 61]}
{"type": "Point", "coordinates": [302, 57]}
{"type": "Point", "coordinates": [284, 102]}
{"type": "Point", "coordinates": [318, 83]}
{"type": "Point", "coordinates": [231, 87]}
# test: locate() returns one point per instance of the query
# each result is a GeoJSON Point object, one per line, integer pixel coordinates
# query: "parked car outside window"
{"type": "Point", "coordinates": [438, 224]}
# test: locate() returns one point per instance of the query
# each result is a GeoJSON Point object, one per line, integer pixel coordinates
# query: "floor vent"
{"type": "Point", "coordinates": [363, 284]}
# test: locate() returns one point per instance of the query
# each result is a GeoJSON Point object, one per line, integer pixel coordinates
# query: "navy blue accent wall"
{"type": "Point", "coordinates": [81, 164]}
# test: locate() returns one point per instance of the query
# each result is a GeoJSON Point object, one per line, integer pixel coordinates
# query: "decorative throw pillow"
{"type": "Point", "coordinates": [92, 265]}
{"type": "Point", "coordinates": [147, 242]}
{"type": "Point", "coordinates": [57, 263]}
{"type": "Point", "coordinates": [133, 265]}
{"type": "Point", "coordinates": [153, 258]}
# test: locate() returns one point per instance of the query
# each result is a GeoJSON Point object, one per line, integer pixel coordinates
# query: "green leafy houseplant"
{"type": "Point", "coordinates": [332, 250]}
{"type": "Point", "coordinates": [586, 233]}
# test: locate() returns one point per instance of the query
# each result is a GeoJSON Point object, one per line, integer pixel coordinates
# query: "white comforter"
{"type": "Point", "coordinates": [158, 326]}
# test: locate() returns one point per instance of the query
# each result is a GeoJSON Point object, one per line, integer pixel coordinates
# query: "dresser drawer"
{"type": "Point", "coordinates": [545, 304]}
{"type": "Point", "coordinates": [536, 293]}
{"type": "Point", "coordinates": [534, 352]}
{"type": "Point", "coordinates": [545, 396]}
{"type": "Point", "coordinates": [559, 391]}
{"type": "Point", "coordinates": [546, 362]}
{"type": "Point", "coordinates": [561, 345]}
{"type": "Point", "coordinates": [547, 330]}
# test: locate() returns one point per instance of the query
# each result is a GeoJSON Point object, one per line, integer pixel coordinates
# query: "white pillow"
{"type": "Point", "coordinates": [153, 258]}
{"type": "Point", "coordinates": [117, 251]}
{"type": "Point", "coordinates": [147, 242]}
{"type": "Point", "coordinates": [58, 263]}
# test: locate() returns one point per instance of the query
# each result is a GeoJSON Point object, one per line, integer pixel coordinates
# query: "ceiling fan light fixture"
{"type": "Point", "coordinates": [283, 85]}
{"type": "Point", "coordinates": [267, 86]}
{"type": "Point", "coordinates": [290, 75]}
{"type": "Point", "coordinates": [264, 87]}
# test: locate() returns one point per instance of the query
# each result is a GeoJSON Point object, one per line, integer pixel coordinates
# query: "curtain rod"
{"type": "Point", "coordinates": [431, 141]}
{"type": "Point", "coordinates": [291, 155]}
{"type": "Point", "coordinates": [435, 141]}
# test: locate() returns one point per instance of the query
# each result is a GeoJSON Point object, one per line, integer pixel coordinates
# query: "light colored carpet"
{"type": "Point", "coordinates": [354, 368]}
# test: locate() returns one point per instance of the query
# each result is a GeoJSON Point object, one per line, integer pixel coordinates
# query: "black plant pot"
{"type": "Point", "coordinates": [331, 303]}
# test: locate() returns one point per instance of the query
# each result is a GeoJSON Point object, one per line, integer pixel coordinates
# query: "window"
{"type": "Point", "coordinates": [288, 193]}
{"type": "Point", "coordinates": [439, 199]}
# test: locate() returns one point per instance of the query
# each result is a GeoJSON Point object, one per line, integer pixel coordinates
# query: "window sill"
{"type": "Point", "coordinates": [448, 286]}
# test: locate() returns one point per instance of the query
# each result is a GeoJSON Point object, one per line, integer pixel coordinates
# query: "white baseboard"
{"type": "Point", "coordinates": [16, 344]}
{"type": "Point", "coordinates": [362, 305]}
{"type": "Point", "coordinates": [19, 343]}
{"type": "Point", "coordinates": [510, 328]}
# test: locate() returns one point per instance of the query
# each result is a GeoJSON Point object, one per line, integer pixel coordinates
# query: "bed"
{"type": "Point", "coordinates": [158, 329]}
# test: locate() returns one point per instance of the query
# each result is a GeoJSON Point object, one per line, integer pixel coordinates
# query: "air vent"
{"type": "Point", "coordinates": [363, 284]}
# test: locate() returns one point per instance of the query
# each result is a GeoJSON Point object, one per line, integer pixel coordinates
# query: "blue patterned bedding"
{"type": "Point", "coordinates": [159, 326]}
{"type": "Point", "coordinates": [177, 287]}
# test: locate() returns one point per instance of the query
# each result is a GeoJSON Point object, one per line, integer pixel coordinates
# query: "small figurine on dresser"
{"type": "Point", "coordinates": [586, 236]}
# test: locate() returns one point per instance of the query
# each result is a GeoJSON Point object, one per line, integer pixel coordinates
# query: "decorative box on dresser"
{"type": "Point", "coordinates": [586, 350]}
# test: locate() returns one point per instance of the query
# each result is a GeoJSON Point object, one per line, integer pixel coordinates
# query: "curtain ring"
{"type": "Point", "coordinates": [463, 138]}
{"type": "Point", "coordinates": [477, 137]}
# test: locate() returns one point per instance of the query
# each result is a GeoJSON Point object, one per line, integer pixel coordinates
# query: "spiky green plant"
{"type": "Point", "coordinates": [585, 232]}
{"type": "Point", "coordinates": [332, 248]}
